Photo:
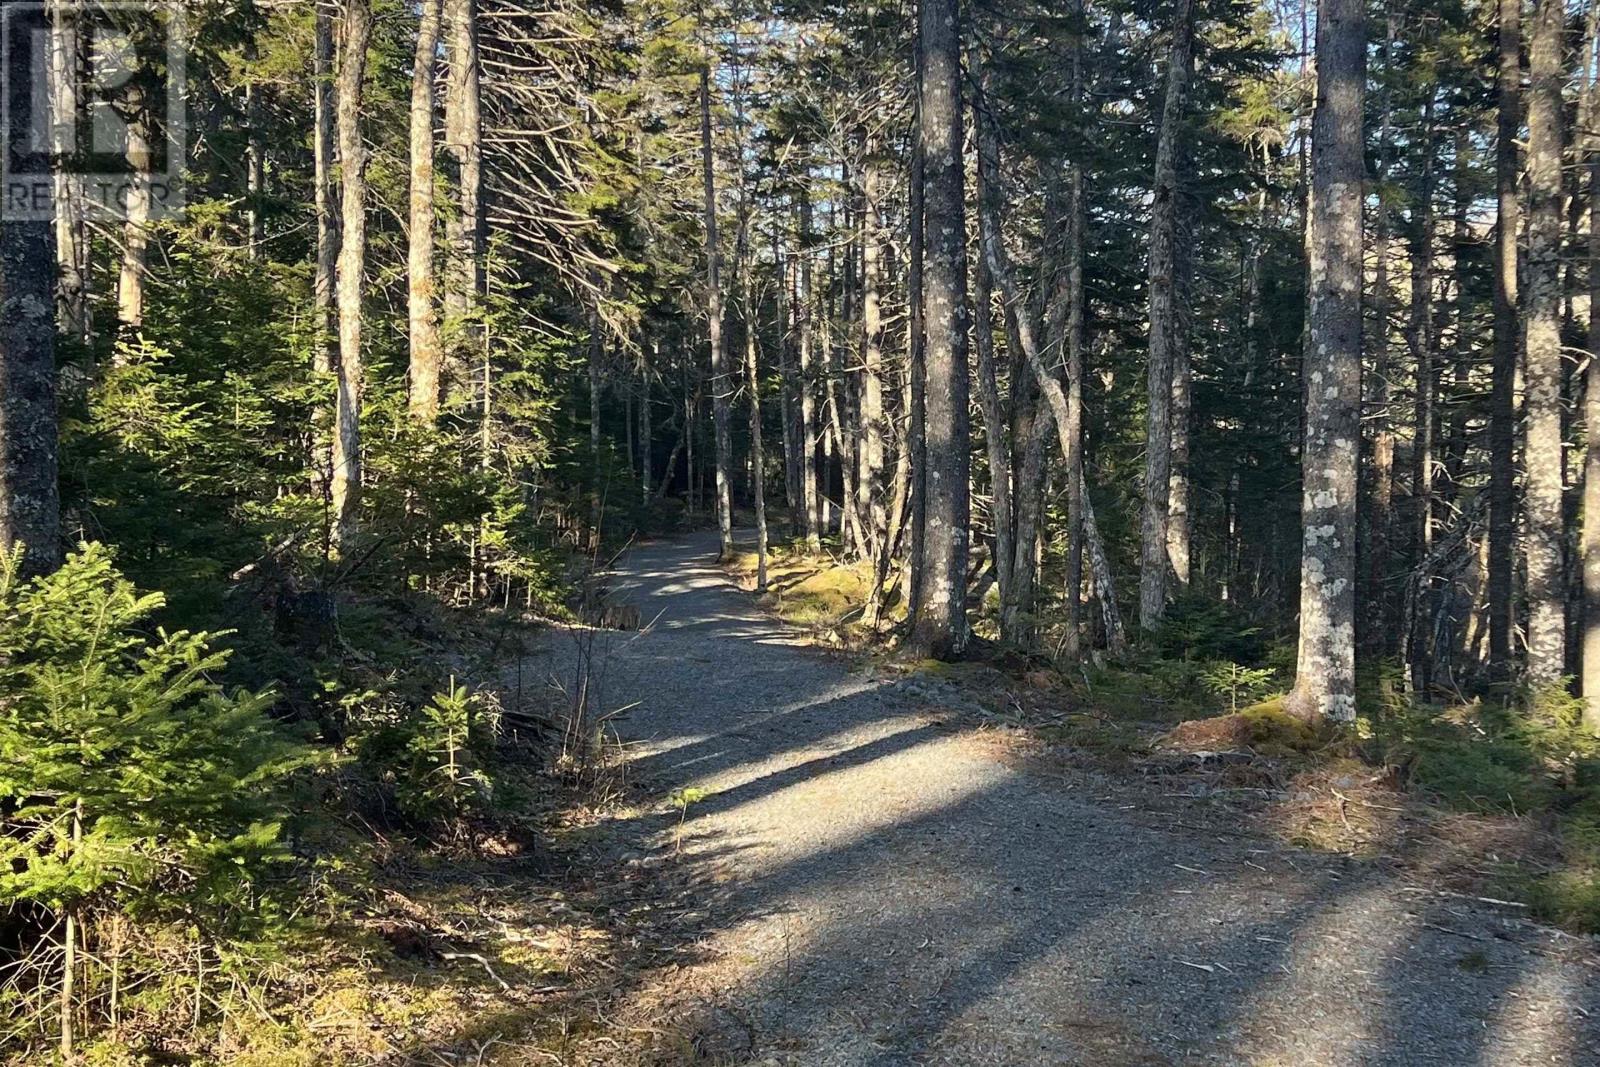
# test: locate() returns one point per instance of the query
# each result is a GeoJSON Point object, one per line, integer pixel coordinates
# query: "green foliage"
{"type": "Point", "coordinates": [1233, 681]}
{"type": "Point", "coordinates": [126, 774]}
{"type": "Point", "coordinates": [445, 776]}
{"type": "Point", "coordinates": [682, 799]}
{"type": "Point", "coordinates": [1274, 732]}
{"type": "Point", "coordinates": [1200, 627]}
{"type": "Point", "coordinates": [1529, 758]}
{"type": "Point", "coordinates": [432, 758]}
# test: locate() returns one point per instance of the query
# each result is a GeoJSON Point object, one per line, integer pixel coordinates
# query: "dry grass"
{"type": "Point", "coordinates": [819, 596]}
{"type": "Point", "coordinates": [1262, 770]}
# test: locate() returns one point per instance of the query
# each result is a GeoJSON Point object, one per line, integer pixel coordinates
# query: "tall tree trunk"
{"type": "Point", "coordinates": [721, 380]}
{"type": "Point", "coordinates": [72, 231]}
{"type": "Point", "coordinates": [1072, 266]}
{"type": "Point", "coordinates": [1325, 666]}
{"type": "Point", "coordinates": [1453, 441]}
{"type": "Point", "coordinates": [840, 436]}
{"type": "Point", "coordinates": [899, 497]}
{"type": "Point", "coordinates": [1590, 546]}
{"type": "Point", "coordinates": [423, 379]}
{"type": "Point", "coordinates": [1100, 570]}
{"type": "Point", "coordinates": [808, 385]}
{"type": "Point", "coordinates": [463, 132]}
{"type": "Point", "coordinates": [30, 504]}
{"type": "Point", "coordinates": [786, 378]}
{"type": "Point", "coordinates": [1542, 522]}
{"type": "Point", "coordinates": [136, 221]}
{"type": "Point", "coordinates": [1163, 324]}
{"type": "Point", "coordinates": [597, 351]}
{"type": "Point", "coordinates": [916, 429]}
{"type": "Point", "coordinates": [758, 459]}
{"type": "Point", "coordinates": [844, 391]}
{"type": "Point", "coordinates": [649, 356]}
{"type": "Point", "coordinates": [1502, 403]}
{"type": "Point", "coordinates": [872, 413]}
{"type": "Point", "coordinates": [1178, 521]}
{"type": "Point", "coordinates": [327, 211]}
{"type": "Point", "coordinates": [1380, 494]}
{"type": "Point", "coordinates": [1424, 351]}
{"type": "Point", "coordinates": [941, 625]}
{"type": "Point", "coordinates": [255, 155]}
{"type": "Point", "coordinates": [990, 196]}
{"type": "Point", "coordinates": [690, 427]}
{"type": "Point", "coordinates": [1077, 498]}
{"type": "Point", "coordinates": [1591, 478]}
{"type": "Point", "coordinates": [356, 33]}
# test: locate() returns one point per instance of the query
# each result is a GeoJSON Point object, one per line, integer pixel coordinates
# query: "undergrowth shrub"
{"type": "Point", "coordinates": [1531, 757]}
{"type": "Point", "coordinates": [132, 786]}
{"type": "Point", "coordinates": [1238, 684]}
{"type": "Point", "coordinates": [446, 777]}
{"type": "Point", "coordinates": [1200, 627]}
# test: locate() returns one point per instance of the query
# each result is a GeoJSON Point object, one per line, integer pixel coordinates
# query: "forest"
{"type": "Point", "coordinates": [1221, 366]}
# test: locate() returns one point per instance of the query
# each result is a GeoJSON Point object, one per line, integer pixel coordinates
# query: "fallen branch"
{"type": "Point", "coordinates": [478, 956]}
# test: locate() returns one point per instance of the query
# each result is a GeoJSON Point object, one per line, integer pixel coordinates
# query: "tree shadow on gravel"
{"type": "Point", "coordinates": [998, 916]}
{"type": "Point", "coordinates": [982, 949]}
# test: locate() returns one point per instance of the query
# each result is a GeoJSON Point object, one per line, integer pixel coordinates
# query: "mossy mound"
{"type": "Point", "coordinates": [1264, 728]}
{"type": "Point", "coordinates": [824, 595]}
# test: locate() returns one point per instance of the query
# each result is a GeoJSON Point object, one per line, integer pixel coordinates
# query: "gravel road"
{"type": "Point", "coordinates": [882, 888]}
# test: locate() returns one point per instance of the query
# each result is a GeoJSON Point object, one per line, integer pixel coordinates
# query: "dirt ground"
{"type": "Point", "coordinates": [875, 883]}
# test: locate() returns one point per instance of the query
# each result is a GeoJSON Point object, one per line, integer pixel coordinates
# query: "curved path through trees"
{"type": "Point", "coordinates": [874, 884]}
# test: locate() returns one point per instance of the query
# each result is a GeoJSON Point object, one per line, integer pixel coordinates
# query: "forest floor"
{"type": "Point", "coordinates": [867, 869]}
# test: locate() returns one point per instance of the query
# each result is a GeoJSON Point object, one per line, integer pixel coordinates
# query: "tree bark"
{"type": "Point", "coordinates": [327, 211]}
{"type": "Point", "coordinates": [786, 398]}
{"type": "Point", "coordinates": [808, 385]}
{"type": "Point", "coordinates": [597, 351]}
{"type": "Point", "coordinates": [1380, 495]}
{"type": "Point", "coordinates": [872, 414]}
{"type": "Point", "coordinates": [1001, 516]}
{"type": "Point", "coordinates": [1325, 665]}
{"type": "Point", "coordinates": [1589, 677]}
{"type": "Point", "coordinates": [1072, 266]}
{"type": "Point", "coordinates": [463, 131]}
{"type": "Point", "coordinates": [255, 159]}
{"type": "Point", "coordinates": [1424, 352]}
{"type": "Point", "coordinates": [1542, 519]}
{"type": "Point", "coordinates": [1179, 533]}
{"type": "Point", "coordinates": [71, 225]}
{"type": "Point", "coordinates": [917, 379]}
{"type": "Point", "coordinates": [1077, 496]}
{"type": "Point", "coordinates": [721, 381]}
{"type": "Point", "coordinates": [1104, 582]}
{"type": "Point", "coordinates": [356, 34]}
{"type": "Point", "coordinates": [136, 219]}
{"type": "Point", "coordinates": [30, 503]}
{"type": "Point", "coordinates": [758, 463]}
{"type": "Point", "coordinates": [840, 436]}
{"type": "Point", "coordinates": [1164, 325]}
{"type": "Point", "coordinates": [844, 389]}
{"type": "Point", "coordinates": [648, 358]}
{"type": "Point", "coordinates": [1502, 402]}
{"type": "Point", "coordinates": [425, 353]}
{"type": "Point", "coordinates": [941, 627]}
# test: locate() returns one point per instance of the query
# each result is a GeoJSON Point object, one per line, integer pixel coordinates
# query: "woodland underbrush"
{"type": "Point", "coordinates": [199, 872]}
{"type": "Point", "coordinates": [299, 806]}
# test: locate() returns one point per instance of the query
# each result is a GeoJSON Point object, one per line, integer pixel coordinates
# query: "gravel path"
{"type": "Point", "coordinates": [880, 888]}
